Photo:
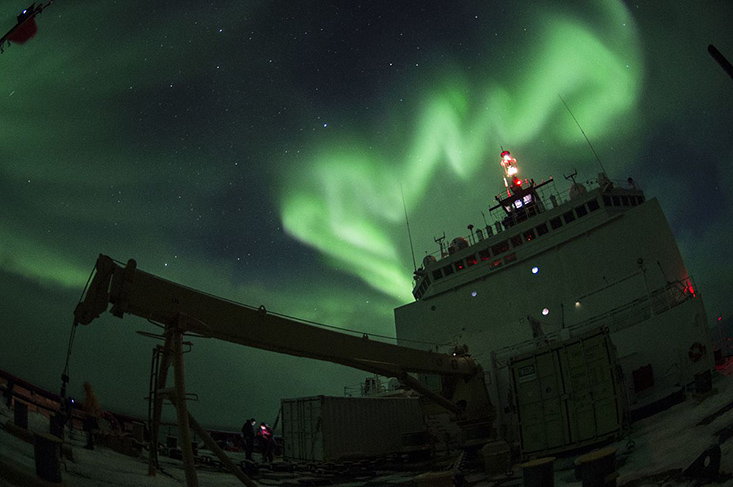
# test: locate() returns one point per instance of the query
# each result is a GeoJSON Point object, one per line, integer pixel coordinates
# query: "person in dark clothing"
{"type": "Point", "coordinates": [267, 442]}
{"type": "Point", "coordinates": [9, 392]}
{"type": "Point", "coordinates": [91, 408]}
{"type": "Point", "coordinates": [68, 411]}
{"type": "Point", "coordinates": [248, 433]}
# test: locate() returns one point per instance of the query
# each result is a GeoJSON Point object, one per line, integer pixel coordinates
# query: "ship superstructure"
{"type": "Point", "coordinates": [554, 266]}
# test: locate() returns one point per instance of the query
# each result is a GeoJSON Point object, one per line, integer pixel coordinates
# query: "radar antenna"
{"type": "Point", "coordinates": [571, 177]}
{"type": "Point", "coordinates": [441, 243]}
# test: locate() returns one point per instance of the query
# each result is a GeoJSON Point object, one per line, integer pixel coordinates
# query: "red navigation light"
{"type": "Point", "coordinates": [690, 290]}
{"type": "Point", "coordinates": [508, 163]}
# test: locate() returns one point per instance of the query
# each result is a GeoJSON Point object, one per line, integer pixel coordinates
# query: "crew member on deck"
{"type": "Point", "coordinates": [267, 442]}
{"type": "Point", "coordinates": [91, 408]}
{"type": "Point", "coordinates": [248, 433]}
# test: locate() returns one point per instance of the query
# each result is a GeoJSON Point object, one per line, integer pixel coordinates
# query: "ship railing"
{"type": "Point", "coordinates": [372, 386]}
{"type": "Point", "coordinates": [627, 315]}
{"type": "Point", "coordinates": [550, 198]}
{"type": "Point", "coordinates": [546, 194]}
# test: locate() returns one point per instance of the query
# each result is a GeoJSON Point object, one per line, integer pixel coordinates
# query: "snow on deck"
{"type": "Point", "coordinates": [667, 441]}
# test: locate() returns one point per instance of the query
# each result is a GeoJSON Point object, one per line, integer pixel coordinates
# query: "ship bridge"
{"type": "Point", "coordinates": [528, 218]}
{"type": "Point", "coordinates": [552, 266]}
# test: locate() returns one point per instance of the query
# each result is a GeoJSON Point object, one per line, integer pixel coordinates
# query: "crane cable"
{"type": "Point", "coordinates": [72, 335]}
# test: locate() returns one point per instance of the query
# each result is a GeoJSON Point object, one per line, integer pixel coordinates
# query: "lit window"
{"type": "Point", "coordinates": [535, 270]}
{"type": "Point", "coordinates": [545, 312]}
{"type": "Point", "coordinates": [518, 204]}
{"type": "Point", "coordinates": [527, 199]}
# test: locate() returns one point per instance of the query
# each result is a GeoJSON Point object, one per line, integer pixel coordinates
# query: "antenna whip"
{"type": "Point", "coordinates": [409, 234]}
{"type": "Point", "coordinates": [583, 132]}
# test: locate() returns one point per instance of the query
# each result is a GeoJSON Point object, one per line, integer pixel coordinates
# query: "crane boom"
{"type": "Point", "coordinates": [139, 293]}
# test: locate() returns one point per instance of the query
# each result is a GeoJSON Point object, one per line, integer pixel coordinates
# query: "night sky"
{"type": "Point", "coordinates": [259, 151]}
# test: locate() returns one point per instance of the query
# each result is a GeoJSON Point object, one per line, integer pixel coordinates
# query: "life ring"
{"type": "Point", "coordinates": [696, 352]}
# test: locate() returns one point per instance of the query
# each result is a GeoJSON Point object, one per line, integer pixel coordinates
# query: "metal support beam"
{"type": "Point", "coordinates": [209, 442]}
{"type": "Point", "coordinates": [184, 432]}
{"type": "Point", "coordinates": [165, 363]}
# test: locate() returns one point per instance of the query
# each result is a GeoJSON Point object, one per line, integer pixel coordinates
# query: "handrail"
{"type": "Point", "coordinates": [660, 300]}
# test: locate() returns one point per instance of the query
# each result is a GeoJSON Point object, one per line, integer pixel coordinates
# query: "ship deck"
{"type": "Point", "coordinates": [655, 452]}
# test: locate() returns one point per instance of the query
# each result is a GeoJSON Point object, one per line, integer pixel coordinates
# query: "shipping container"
{"type": "Point", "coordinates": [568, 394]}
{"type": "Point", "coordinates": [330, 429]}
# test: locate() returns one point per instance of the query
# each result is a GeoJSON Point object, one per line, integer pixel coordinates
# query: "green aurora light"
{"type": "Point", "coordinates": [347, 203]}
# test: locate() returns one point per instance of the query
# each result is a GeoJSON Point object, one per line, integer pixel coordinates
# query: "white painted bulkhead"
{"type": "Point", "coordinates": [619, 268]}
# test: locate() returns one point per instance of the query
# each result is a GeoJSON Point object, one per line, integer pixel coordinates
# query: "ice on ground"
{"type": "Point", "coordinates": [669, 440]}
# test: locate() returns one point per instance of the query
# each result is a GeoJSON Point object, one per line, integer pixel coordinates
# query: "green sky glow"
{"type": "Point", "coordinates": [259, 151]}
{"type": "Point", "coordinates": [347, 204]}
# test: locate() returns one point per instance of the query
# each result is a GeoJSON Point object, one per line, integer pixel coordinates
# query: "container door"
{"type": "Point", "coordinates": [593, 407]}
{"type": "Point", "coordinates": [302, 429]}
{"type": "Point", "coordinates": [539, 398]}
{"type": "Point", "coordinates": [567, 395]}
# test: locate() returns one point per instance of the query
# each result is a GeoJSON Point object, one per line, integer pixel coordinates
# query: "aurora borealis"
{"type": "Point", "coordinates": [260, 152]}
{"type": "Point", "coordinates": [347, 204]}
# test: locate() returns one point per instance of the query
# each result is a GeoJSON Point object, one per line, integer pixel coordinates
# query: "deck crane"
{"type": "Point", "coordinates": [181, 309]}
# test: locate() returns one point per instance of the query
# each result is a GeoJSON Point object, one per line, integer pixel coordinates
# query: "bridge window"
{"type": "Point", "coordinates": [516, 240]}
{"type": "Point", "coordinates": [484, 254]}
{"type": "Point", "coordinates": [529, 235]}
{"type": "Point", "coordinates": [437, 274]}
{"type": "Point", "coordinates": [541, 229]}
{"type": "Point", "coordinates": [581, 211]}
{"type": "Point", "coordinates": [556, 223]}
{"type": "Point", "coordinates": [500, 248]}
{"type": "Point", "coordinates": [471, 260]}
{"type": "Point", "coordinates": [568, 217]}
{"type": "Point", "coordinates": [607, 200]}
{"type": "Point", "coordinates": [593, 205]}
{"type": "Point", "coordinates": [447, 270]}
